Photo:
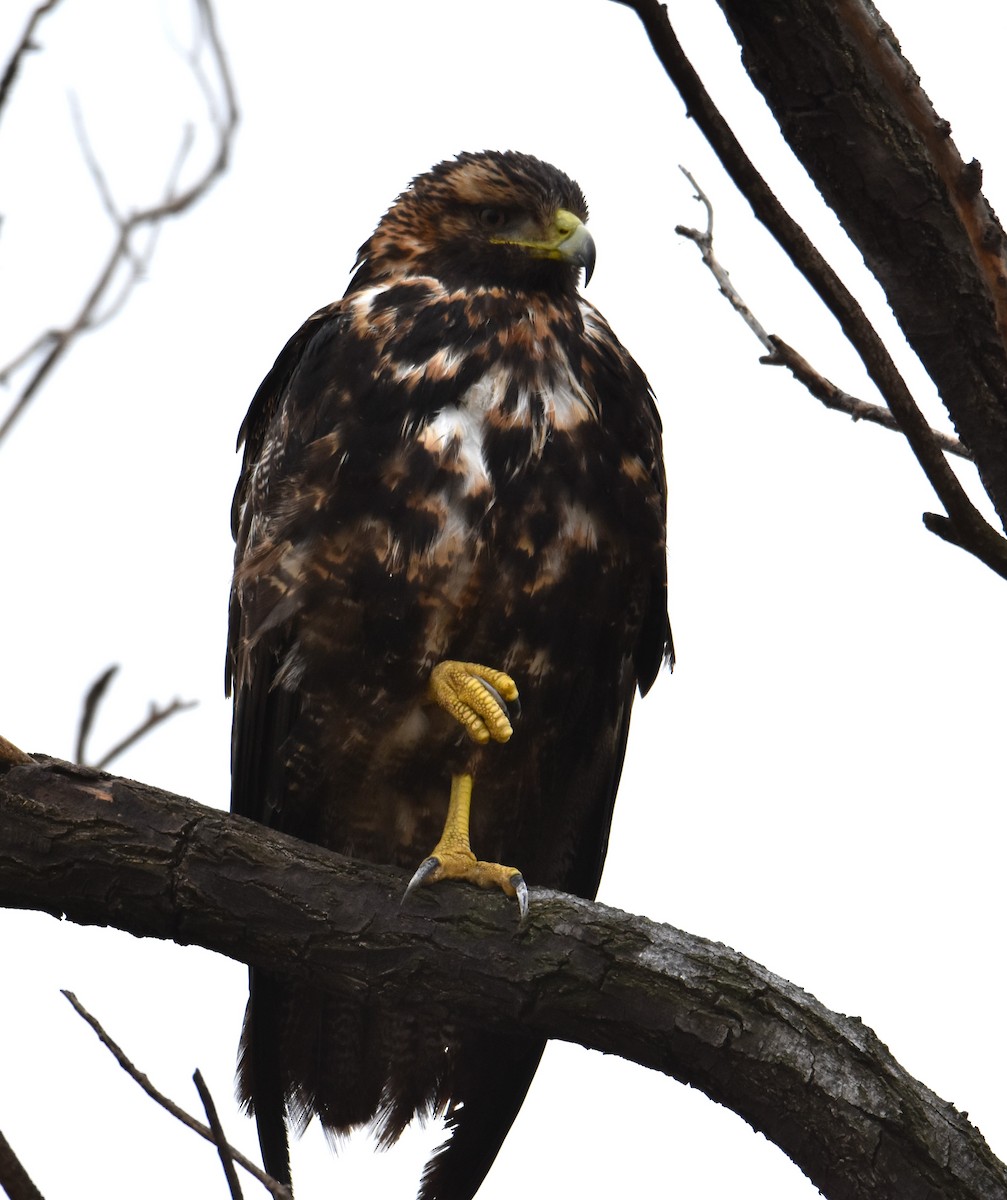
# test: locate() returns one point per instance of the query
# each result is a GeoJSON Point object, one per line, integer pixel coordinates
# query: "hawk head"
{"type": "Point", "coordinates": [492, 219]}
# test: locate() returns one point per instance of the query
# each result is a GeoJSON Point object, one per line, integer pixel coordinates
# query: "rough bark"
{"type": "Point", "coordinates": [771, 38]}
{"type": "Point", "coordinates": [853, 111]}
{"type": "Point", "coordinates": [106, 851]}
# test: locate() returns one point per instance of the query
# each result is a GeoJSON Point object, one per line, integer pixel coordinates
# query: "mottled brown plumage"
{"type": "Point", "coordinates": [458, 460]}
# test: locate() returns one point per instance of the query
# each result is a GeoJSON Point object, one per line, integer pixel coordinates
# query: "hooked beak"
{"type": "Point", "coordinates": [576, 245]}
{"type": "Point", "coordinates": [566, 240]}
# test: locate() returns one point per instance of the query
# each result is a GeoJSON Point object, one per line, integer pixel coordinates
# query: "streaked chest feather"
{"type": "Point", "coordinates": [458, 436]}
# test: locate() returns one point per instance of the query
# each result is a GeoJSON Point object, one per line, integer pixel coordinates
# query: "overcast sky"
{"type": "Point", "coordinates": [820, 784]}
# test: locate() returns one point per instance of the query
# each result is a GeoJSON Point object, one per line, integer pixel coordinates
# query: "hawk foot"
{"type": "Point", "coordinates": [476, 697]}
{"type": "Point", "coordinates": [452, 857]}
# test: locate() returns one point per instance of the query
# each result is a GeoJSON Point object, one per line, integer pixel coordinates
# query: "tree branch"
{"type": "Point", "coordinates": [14, 1179]}
{"type": "Point", "coordinates": [271, 1185]}
{"type": "Point", "coordinates": [898, 184]}
{"type": "Point", "coordinates": [783, 355]}
{"type": "Point", "coordinates": [103, 301]}
{"type": "Point", "coordinates": [24, 47]}
{"type": "Point", "coordinates": [103, 850]}
{"type": "Point", "coordinates": [223, 1149]}
{"type": "Point", "coordinates": [95, 694]}
{"type": "Point", "coordinates": [973, 532]}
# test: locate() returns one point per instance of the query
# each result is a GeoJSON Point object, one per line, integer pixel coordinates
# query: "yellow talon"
{"type": "Point", "coordinates": [452, 857]}
{"type": "Point", "coordinates": [475, 696]}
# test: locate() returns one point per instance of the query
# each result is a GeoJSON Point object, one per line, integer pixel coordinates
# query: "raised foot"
{"type": "Point", "coordinates": [476, 696]}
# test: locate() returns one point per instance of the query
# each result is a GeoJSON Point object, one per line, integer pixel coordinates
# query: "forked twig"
{"type": "Point", "coordinates": [95, 694]}
{"type": "Point", "coordinates": [271, 1185]}
{"type": "Point", "coordinates": [103, 301]}
{"type": "Point", "coordinates": [783, 355]}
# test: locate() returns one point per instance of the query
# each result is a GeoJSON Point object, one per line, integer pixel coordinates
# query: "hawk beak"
{"type": "Point", "coordinates": [566, 240]}
{"type": "Point", "coordinates": [573, 243]}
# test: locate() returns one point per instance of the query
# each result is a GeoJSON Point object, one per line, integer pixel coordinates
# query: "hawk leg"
{"type": "Point", "coordinates": [476, 697]}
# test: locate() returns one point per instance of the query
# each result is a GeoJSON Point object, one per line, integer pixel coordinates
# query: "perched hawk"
{"type": "Point", "coordinates": [452, 492]}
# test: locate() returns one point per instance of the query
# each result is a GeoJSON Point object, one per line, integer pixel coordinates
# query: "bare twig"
{"type": "Point", "coordinates": [14, 1179]}
{"type": "Point", "coordinates": [103, 302]}
{"type": "Point", "coordinates": [155, 716]}
{"type": "Point", "coordinates": [24, 47]}
{"type": "Point", "coordinates": [972, 531]}
{"type": "Point", "coordinates": [223, 1149]}
{"type": "Point", "coordinates": [95, 694]}
{"type": "Point", "coordinates": [275, 1189]}
{"type": "Point", "coordinates": [783, 355]}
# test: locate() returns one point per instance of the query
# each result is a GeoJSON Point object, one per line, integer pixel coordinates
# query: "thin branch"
{"type": "Point", "coordinates": [14, 1179]}
{"type": "Point", "coordinates": [21, 50]}
{"type": "Point", "coordinates": [98, 307]}
{"type": "Point", "coordinates": [155, 716]}
{"type": "Point", "coordinates": [975, 534]}
{"type": "Point", "coordinates": [223, 1149]}
{"type": "Point", "coordinates": [268, 1182]}
{"type": "Point", "coordinates": [783, 355]}
{"type": "Point", "coordinates": [89, 709]}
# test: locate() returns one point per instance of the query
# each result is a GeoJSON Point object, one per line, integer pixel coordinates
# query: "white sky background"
{"type": "Point", "coordinates": [820, 785]}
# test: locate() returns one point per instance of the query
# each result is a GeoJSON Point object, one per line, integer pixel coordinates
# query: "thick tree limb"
{"type": "Point", "coordinates": [103, 850]}
{"type": "Point", "coordinates": [853, 111]}
{"type": "Point", "coordinates": [780, 20]}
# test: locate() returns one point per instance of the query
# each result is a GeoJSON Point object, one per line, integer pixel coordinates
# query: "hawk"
{"type": "Point", "coordinates": [452, 493]}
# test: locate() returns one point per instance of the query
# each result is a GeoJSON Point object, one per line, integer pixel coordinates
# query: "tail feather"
{"type": "Point", "coordinates": [491, 1077]}
{"type": "Point", "coordinates": [261, 1087]}
{"type": "Point", "coordinates": [306, 1052]}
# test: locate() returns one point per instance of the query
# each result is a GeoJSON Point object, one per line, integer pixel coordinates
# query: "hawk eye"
{"type": "Point", "coordinates": [492, 218]}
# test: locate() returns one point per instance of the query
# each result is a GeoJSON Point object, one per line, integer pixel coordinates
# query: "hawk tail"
{"type": "Point", "coordinates": [261, 1087]}
{"type": "Point", "coordinates": [491, 1078]}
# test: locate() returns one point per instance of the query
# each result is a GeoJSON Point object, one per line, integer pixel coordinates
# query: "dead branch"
{"type": "Point", "coordinates": [14, 1179]}
{"type": "Point", "coordinates": [155, 716]}
{"type": "Point", "coordinates": [973, 532]}
{"type": "Point", "coordinates": [95, 694]}
{"type": "Point", "coordinates": [223, 1149]}
{"type": "Point", "coordinates": [268, 1182]}
{"type": "Point", "coordinates": [25, 46]}
{"type": "Point", "coordinates": [103, 850]}
{"type": "Point", "coordinates": [780, 353]}
{"type": "Point", "coordinates": [136, 232]}
{"type": "Point", "coordinates": [88, 711]}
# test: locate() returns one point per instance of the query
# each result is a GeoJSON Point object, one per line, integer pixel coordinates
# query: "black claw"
{"type": "Point", "coordinates": [511, 711]}
{"type": "Point", "coordinates": [521, 892]}
{"type": "Point", "coordinates": [423, 872]}
{"type": "Point", "coordinates": [496, 696]}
